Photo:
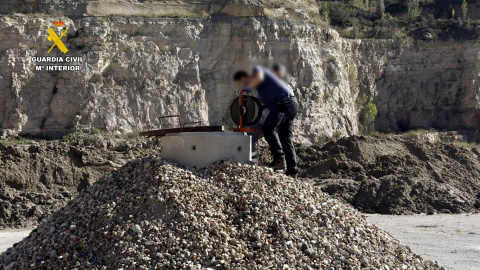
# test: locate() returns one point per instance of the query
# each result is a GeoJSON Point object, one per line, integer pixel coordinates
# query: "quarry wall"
{"type": "Point", "coordinates": [135, 69]}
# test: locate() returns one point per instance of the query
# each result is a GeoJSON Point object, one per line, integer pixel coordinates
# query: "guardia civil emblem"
{"type": "Point", "coordinates": [57, 40]}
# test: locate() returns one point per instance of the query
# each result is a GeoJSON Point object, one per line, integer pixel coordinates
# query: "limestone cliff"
{"type": "Point", "coordinates": [418, 84]}
{"type": "Point", "coordinates": [431, 84]}
{"type": "Point", "coordinates": [136, 69]}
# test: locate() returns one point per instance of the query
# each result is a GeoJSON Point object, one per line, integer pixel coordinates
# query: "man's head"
{"type": "Point", "coordinates": [279, 71]}
{"type": "Point", "coordinates": [241, 78]}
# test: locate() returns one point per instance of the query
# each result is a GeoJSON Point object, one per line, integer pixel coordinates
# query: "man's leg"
{"type": "Point", "coordinates": [269, 129]}
{"type": "Point", "coordinates": [285, 133]}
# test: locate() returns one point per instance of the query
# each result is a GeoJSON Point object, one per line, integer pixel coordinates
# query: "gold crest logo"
{"type": "Point", "coordinates": [57, 40]}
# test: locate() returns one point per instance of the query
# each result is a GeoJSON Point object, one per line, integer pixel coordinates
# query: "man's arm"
{"type": "Point", "coordinates": [257, 79]}
{"type": "Point", "coordinates": [258, 96]}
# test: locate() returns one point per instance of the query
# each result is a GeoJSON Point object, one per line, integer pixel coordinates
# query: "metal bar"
{"type": "Point", "coordinates": [166, 116]}
{"type": "Point", "coordinates": [171, 116]}
{"type": "Point", "coordinates": [240, 98]}
{"type": "Point", "coordinates": [163, 132]}
{"type": "Point", "coordinates": [188, 123]}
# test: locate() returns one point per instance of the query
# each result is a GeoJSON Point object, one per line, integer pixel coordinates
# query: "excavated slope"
{"type": "Point", "coordinates": [38, 179]}
{"type": "Point", "coordinates": [395, 175]}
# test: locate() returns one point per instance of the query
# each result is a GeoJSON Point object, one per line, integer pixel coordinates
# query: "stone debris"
{"type": "Point", "coordinates": [152, 214]}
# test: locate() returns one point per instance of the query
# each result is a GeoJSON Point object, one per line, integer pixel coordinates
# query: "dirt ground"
{"type": "Point", "coordinates": [8, 237]}
{"type": "Point", "coordinates": [39, 178]}
{"type": "Point", "coordinates": [375, 175]}
{"type": "Point", "coordinates": [395, 175]}
{"type": "Point", "coordinates": [451, 240]}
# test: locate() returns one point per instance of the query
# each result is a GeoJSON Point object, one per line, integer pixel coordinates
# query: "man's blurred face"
{"type": "Point", "coordinates": [278, 74]}
{"type": "Point", "coordinates": [242, 81]}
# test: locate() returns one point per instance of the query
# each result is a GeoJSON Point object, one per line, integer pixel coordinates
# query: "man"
{"type": "Point", "coordinates": [280, 100]}
{"type": "Point", "coordinates": [281, 73]}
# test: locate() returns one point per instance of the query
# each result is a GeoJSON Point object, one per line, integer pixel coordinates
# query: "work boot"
{"type": "Point", "coordinates": [291, 174]}
{"type": "Point", "coordinates": [278, 164]}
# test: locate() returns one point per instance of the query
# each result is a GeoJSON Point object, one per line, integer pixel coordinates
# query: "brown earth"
{"type": "Point", "coordinates": [375, 175]}
{"type": "Point", "coordinates": [396, 175]}
{"type": "Point", "coordinates": [38, 178]}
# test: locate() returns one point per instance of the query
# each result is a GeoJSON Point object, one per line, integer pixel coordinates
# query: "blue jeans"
{"type": "Point", "coordinates": [278, 132]}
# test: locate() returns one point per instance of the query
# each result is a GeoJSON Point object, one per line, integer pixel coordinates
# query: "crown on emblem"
{"type": "Point", "coordinates": [58, 23]}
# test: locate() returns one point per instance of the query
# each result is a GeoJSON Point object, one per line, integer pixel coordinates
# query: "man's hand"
{"type": "Point", "coordinates": [256, 79]}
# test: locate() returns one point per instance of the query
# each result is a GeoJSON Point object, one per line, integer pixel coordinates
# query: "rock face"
{"type": "Point", "coordinates": [430, 85]}
{"type": "Point", "coordinates": [136, 69]}
{"type": "Point", "coordinates": [132, 7]}
{"type": "Point", "coordinates": [420, 84]}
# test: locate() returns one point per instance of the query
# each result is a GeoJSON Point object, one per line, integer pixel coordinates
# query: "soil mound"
{"type": "Point", "coordinates": [395, 175]}
{"type": "Point", "coordinates": [152, 215]}
{"type": "Point", "coordinates": [37, 179]}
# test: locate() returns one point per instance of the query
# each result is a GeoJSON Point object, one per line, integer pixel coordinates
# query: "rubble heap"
{"type": "Point", "coordinates": [152, 214]}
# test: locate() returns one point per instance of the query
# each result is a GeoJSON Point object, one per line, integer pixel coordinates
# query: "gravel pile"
{"type": "Point", "coordinates": [151, 214]}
